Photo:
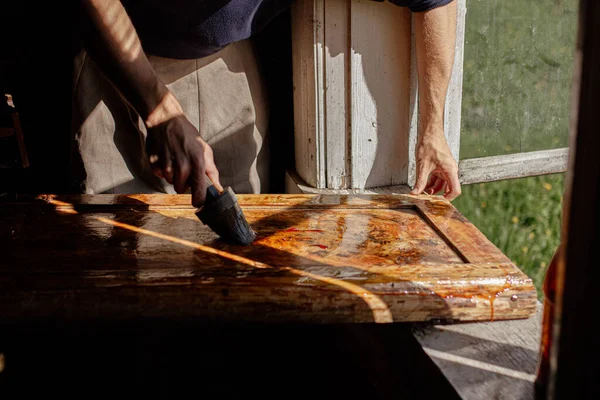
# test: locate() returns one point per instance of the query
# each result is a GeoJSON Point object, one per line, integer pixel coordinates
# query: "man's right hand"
{"type": "Point", "coordinates": [177, 152]}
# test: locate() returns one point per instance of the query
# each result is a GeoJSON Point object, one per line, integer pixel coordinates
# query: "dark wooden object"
{"type": "Point", "coordinates": [575, 353]}
{"type": "Point", "coordinates": [321, 259]}
{"type": "Point", "coordinates": [14, 128]}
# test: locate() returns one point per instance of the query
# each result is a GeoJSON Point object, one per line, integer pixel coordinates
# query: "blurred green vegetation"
{"type": "Point", "coordinates": [516, 97]}
{"type": "Point", "coordinates": [517, 75]}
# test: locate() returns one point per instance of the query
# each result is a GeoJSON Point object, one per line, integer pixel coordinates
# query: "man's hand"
{"type": "Point", "coordinates": [436, 169]}
{"type": "Point", "coordinates": [177, 152]}
{"type": "Point", "coordinates": [175, 149]}
{"type": "Point", "coordinates": [435, 35]}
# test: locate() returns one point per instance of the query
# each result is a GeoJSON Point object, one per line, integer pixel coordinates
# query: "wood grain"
{"type": "Point", "coordinates": [296, 185]}
{"type": "Point", "coordinates": [452, 111]}
{"type": "Point", "coordinates": [307, 71]}
{"type": "Point", "coordinates": [380, 88]}
{"type": "Point", "coordinates": [337, 95]}
{"type": "Point", "coordinates": [324, 259]}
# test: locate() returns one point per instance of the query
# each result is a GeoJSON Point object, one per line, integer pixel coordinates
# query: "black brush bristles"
{"type": "Point", "coordinates": [222, 213]}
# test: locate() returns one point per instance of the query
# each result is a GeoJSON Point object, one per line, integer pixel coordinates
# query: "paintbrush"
{"type": "Point", "coordinates": [223, 214]}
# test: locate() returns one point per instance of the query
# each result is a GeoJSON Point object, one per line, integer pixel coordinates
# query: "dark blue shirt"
{"type": "Point", "coordinates": [197, 28]}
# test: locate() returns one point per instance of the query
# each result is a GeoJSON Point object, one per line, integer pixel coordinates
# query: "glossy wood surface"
{"type": "Point", "coordinates": [323, 259]}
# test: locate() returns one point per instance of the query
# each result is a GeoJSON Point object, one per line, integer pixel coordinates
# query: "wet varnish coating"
{"type": "Point", "coordinates": [316, 259]}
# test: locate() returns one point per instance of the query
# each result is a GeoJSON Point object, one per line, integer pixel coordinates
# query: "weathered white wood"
{"type": "Point", "coordinates": [295, 185]}
{"type": "Point", "coordinates": [413, 130]}
{"type": "Point", "coordinates": [452, 111]}
{"type": "Point", "coordinates": [337, 99]}
{"type": "Point", "coordinates": [380, 88]}
{"type": "Point", "coordinates": [489, 360]}
{"type": "Point", "coordinates": [308, 70]}
{"type": "Point", "coordinates": [487, 169]}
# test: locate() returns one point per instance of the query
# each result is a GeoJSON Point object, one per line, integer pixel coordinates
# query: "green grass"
{"type": "Point", "coordinates": [516, 97]}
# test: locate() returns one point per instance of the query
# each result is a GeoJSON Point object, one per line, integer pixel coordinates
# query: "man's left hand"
{"type": "Point", "coordinates": [437, 170]}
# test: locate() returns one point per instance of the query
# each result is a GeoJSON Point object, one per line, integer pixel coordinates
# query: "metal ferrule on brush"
{"type": "Point", "coordinates": [222, 213]}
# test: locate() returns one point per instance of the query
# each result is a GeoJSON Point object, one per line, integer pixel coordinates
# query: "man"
{"type": "Point", "coordinates": [200, 97]}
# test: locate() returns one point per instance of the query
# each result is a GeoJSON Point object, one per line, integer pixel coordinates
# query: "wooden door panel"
{"type": "Point", "coordinates": [322, 259]}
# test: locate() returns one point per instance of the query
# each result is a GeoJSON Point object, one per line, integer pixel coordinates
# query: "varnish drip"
{"type": "Point", "coordinates": [507, 285]}
{"type": "Point", "coordinates": [492, 295]}
{"type": "Point", "coordinates": [495, 296]}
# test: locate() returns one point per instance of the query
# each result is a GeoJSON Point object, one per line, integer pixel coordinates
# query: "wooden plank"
{"type": "Point", "coordinates": [493, 360]}
{"type": "Point", "coordinates": [308, 71]}
{"type": "Point", "coordinates": [519, 165]}
{"type": "Point", "coordinates": [413, 130]}
{"type": "Point", "coordinates": [471, 243]}
{"type": "Point", "coordinates": [380, 86]}
{"type": "Point", "coordinates": [295, 185]}
{"type": "Point", "coordinates": [337, 94]}
{"type": "Point", "coordinates": [316, 260]}
{"type": "Point", "coordinates": [141, 202]}
{"type": "Point", "coordinates": [452, 111]}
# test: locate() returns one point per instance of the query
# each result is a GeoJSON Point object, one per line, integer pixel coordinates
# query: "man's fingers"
{"type": "Point", "coordinates": [198, 182]}
{"type": "Point", "coordinates": [158, 172]}
{"type": "Point", "coordinates": [453, 189]}
{"type": "Point", "coordinates": [432, 180]}
{"type": "Point", "coordinates": [213, 175]}
{"type": "Point", "coordinates": [437, 186]}
{"type": "Point", "coordinates": [422, 176]}
{"type": "Point", "coordinates": [181, 174]}
{"type": "Point", "coordinates": [160, 163]}
{"type": "Point", "coordinates": [168, 173]}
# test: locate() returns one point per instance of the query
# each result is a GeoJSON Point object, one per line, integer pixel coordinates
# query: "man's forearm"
{"type": "Point", "coordinates": [435, 34]}
{"type": "Point", "coordinates": [114, 45]}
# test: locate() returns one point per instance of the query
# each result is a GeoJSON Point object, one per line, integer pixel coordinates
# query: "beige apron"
{"type": "Point", "coordinates": [223, 95]}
